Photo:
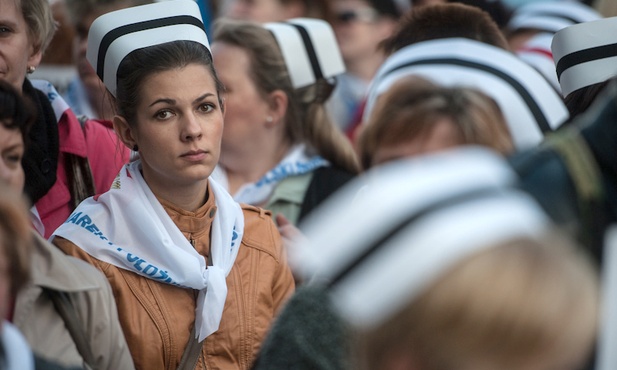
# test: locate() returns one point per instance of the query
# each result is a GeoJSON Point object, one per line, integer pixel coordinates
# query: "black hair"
{"type": "Point", "coordinates": [142, 63]}
{"type": "Point", "coordinates": [16, 111]}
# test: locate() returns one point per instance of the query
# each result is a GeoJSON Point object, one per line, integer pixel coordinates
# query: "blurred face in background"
{"type": "Point", "coordinates": [12, 151]}
{"type": "Point", "coordinates": [17, 50]}
{"type": "Point", "coordinates": [86, 73]}
{"type": "Point", "coordinates": [359, 28]}
{"type": "Point", "coordinates": [265, 10]}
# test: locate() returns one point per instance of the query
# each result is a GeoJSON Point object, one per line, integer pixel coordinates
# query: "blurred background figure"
{"type": "Point", "coordinates": [86, 94]}
{"type": "Point", "coordinates": [583, 61]}
{"type": "Point", "coordinates": [455, 44]}
{"type": "Point", "coordinates": [415, 117]}
{"type": "Point", "coordinates": [360, 25]}
{"type": "Point", "coordinates": [532, 26]}
{"type": "Point", "coordinates": [262, 11]}
{"type": "Point", "coordinates": [280, 149]}
{"type": "Point", "coordinates": [453, 267]}
{"type": "Point", "coordinates": [67, 160]}
{"type": "Point", "coordinates": [57, 65]}
{"type": "Point", "coordinates": [65, 309]}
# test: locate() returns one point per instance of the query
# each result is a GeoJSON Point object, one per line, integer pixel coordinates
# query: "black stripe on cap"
{"type": "Point", "coordinates": [584, 56]}
{"type": "Point", "coordinates": [116, 33]}
{"type": "Point", "coordinates": [388, 234]}
{"type": "Point", "coordinates": [522, 91]}
{"type": "Point", "coordinates": [310, 50]}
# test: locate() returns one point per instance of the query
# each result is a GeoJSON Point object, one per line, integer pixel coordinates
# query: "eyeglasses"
{"type": "Point", "coordinates": [367, 15]}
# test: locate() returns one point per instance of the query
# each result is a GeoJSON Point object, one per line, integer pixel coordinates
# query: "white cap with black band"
{"type": "Point", "coordinates": [551, 16]}
{"type": "Point", "coordinates": [114, 35]}
{"type": "Point", "coordinates": [309, 49]}
{"type": "Point", "coordinates": [529, 103]}
{"type": "Point", "coordinates": [421, 217]}
{"type": "Point", "coordinates": [585, 54]}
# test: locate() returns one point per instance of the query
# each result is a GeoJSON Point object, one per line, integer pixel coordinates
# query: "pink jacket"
{"type": "Point", "coordinates": [95, 141]}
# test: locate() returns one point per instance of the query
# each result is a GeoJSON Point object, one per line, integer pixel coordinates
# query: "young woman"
{"type": "Point", "coordinates": [280, 150]}
{"type": "Point", "coordinates": [196, 276]}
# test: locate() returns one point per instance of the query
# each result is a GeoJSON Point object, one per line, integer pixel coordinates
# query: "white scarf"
{"type": "Point", "coordinates": [295, 163]}
{"type": "Point", "coordinates": [128, 228]}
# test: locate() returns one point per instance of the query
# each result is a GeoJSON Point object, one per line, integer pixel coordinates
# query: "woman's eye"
{"type": "Point", "coordinates": [164, 114]}
{"type": "Point", "coordinates": [207, 107]}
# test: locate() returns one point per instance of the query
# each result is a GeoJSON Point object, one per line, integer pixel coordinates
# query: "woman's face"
{"type": "Point", "coordinates": [443, 135]}
{"type": "Point", "coordinates": [262, 10]}
{"type": "Point", "coordinates": [17, 51]}
{"type": "Point", "coordinates": [12, 151]}
{"type": "Point", "coordinates": [178, 128]}
{"type": "Point", "coordinates": [245, 108]}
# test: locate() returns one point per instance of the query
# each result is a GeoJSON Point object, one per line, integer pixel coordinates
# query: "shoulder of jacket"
{"type": "Point", "coordinates": [260, 232]}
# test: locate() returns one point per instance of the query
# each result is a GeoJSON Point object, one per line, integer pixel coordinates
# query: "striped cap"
{"type": "Point", "coordinates": [390, 244]}
{"type": "Point", "coordinates": [114, 35]}
{"type": "Point", "coordinates": [309, 49]}
{"type": "Point", "coordinates": [551, 16]}
{"type": "Point", "coordinates": [537, 53]}
{"type": "Point", "coordinates": [585, 54]}
{"type": "Point", "coordinates": [529, 103]}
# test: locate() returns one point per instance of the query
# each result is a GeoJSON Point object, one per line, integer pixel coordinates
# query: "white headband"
{"type": "Point", "coordinates": [114, 35]}
{"type": "Point", "coordinates": [586, 54]}
{"type": "Point", "coordinates": [416, 219]}
{"type": "Point", "coordinates": [529, 103]}
{"type": "Point", "coordinates": [309, 49]}
{"type": "Point", "coordinates": [551, 16]}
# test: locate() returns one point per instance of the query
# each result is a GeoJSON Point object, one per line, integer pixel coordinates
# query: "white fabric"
{"type": "Point", "coordinates": [537, 53]}
{"type": "Point", "coordinates": [346, 226]}
{"type": "Point", "coordinates": [519, 117]}
{"type": "Point", "coordinates": [295, 163]}
{"type": "Point", "coordinates": [128, 228]}
{"type": "Point", "coordinates": [294, 51]}
{"type": "Point", "coordinates": [16, 350]}
{"type": "Point", "coordinates": [578, 38]}
{"type": "Point", "coordinates": [551, 16]}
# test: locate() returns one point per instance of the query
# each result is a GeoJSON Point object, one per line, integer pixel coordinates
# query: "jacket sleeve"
{"type": "Point", "coordinates": [101, 320]}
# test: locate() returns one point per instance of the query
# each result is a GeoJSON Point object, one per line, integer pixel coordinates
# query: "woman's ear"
{"type": "Point", "coordinates": [124, 132]}
{"type": "Point", "coordinates": [278, 101]}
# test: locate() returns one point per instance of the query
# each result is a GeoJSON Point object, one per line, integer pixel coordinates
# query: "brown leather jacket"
{"type": "Point", "coordinates": [157, 318]}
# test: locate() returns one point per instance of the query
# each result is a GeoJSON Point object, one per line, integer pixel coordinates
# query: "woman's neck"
{"type": "Point", "coordinates": [188, 197]}
{"type": "Point", "coordinates": [247, 168]}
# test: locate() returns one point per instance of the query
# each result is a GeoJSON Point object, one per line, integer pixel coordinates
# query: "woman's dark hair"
{"type": "Point", "coordinates": [16, 111]}
{"type": "Point", "coordinates": [142, 63]}
{"type": "Point", "coordinates": [579, 100]}
{"type": "Point", "coordinates": [442, 21]}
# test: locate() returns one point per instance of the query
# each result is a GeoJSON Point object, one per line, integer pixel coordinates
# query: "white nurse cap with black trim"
{"type": "Point", "coordinates": [585, 54]}
{"type": "Point", "coordinates": [527, 100]}
{"type": "Point", "coordinates": [114, 35]}
{"type": "Point", "coordinates": [309, 49]}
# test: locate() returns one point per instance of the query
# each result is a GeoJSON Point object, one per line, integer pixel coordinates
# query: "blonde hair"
{"type": "Point", "coordinates": [40, 21]}
{"type": "Point", "coordinates": [412, 105]}
{"type": "Point", "coordinates": [608, 8]}
{"type": "Point", "coordinates": [306, 119]}
{"type": "Point", "coordinates": [15, 236]}
{"type": "Point", "coordinates": [519, 304]}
